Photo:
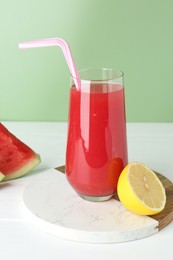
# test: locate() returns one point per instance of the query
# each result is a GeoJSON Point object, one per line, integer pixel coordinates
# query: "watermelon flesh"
{"type": "Point", "coordinates": [16, 158]}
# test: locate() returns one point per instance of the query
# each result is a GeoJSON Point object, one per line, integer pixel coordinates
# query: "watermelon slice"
{"type": "Point", "coordinates": [16, 158]}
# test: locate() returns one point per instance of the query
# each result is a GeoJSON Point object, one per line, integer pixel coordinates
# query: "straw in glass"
{"type": "Point", "coordinates": [66, 51]}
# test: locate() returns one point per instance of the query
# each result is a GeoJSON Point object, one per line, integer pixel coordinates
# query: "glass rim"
{"type": "Point", "coordinates": [119, 75]}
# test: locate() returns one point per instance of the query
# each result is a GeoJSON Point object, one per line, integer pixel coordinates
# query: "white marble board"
{"type": "Point", "coordinates": [52, 205]}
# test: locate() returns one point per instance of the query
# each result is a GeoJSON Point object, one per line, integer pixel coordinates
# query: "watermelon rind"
{"type": "Point", "coordinates": [1, 176]}
{"type": "Point", "coordinates": [24, 169]}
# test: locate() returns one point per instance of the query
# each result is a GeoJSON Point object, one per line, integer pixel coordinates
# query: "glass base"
{"type": "Point", "coordinates": [96, 199]}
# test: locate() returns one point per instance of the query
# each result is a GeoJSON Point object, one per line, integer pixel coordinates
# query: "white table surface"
{"type": "Point", "coordinates": [150, 143]}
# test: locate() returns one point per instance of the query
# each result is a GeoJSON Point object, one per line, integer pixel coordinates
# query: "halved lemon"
{"type": "Point", "coordinates": [140, 190]}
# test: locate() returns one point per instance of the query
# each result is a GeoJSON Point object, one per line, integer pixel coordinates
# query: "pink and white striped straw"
{"type": "Point", "coordinates": [66, 51]}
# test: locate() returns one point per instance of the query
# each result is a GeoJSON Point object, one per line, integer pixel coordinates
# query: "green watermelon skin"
{"type": "Point", "coordinates": [2, 176]}
{"type": "Point", "coordinates": [16, 158]}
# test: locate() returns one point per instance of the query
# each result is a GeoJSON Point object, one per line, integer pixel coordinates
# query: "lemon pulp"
{"type": "Point", "coordinates": [140, 190]}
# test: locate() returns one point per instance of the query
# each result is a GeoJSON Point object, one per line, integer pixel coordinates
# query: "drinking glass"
{"type": "Point", "coordinates": [96, 150]}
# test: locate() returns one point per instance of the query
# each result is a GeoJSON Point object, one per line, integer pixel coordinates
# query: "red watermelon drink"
{"type": "Point", "coordinates": [96, 145]}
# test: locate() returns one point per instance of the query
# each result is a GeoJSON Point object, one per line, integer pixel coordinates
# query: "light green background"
{"type": "Point", "coordinates": [135, 36]}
